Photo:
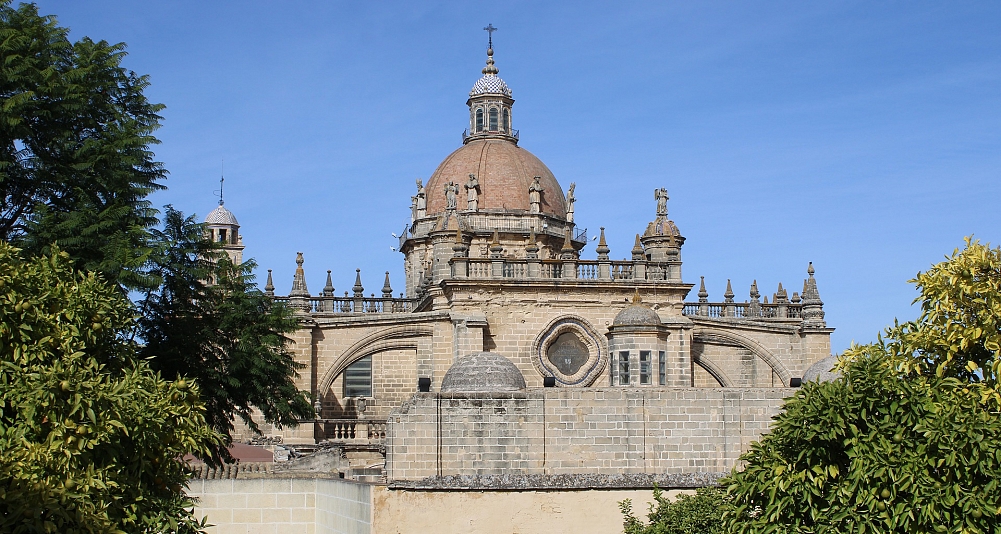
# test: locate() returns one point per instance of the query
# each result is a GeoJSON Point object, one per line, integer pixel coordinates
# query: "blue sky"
{"type": "Point", "coordinates": [864, 137]}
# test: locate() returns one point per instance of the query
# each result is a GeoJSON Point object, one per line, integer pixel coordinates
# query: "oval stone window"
{"type": "Point", "coordinates": [569, 350]}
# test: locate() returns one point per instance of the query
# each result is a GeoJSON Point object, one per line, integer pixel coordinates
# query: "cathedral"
{"type": "Point", "coordinates": [508, 361]}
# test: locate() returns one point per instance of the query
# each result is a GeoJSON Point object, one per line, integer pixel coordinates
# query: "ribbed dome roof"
{"type": "Point", "coordinates": [662, 226]}
{"type": "Point", "coordinates": [637, 315]}
{"type": "Point", "coordinates": [822, 371]}
{"type": "Point", "coordinates": [504, 171]}
{"type": "Point", "coordinates": [490, 84]}
{"type": "Point", "coordinates": [221, 215]}
{"type": "Point", "coordinates": [483, 371]}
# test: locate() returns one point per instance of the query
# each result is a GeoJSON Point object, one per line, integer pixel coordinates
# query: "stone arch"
{"type": "Point", "coordinates": [393, 338]}
{"type": "Point", "coordinates": [714, 371]}
{"type": "Point", "coordinates": [706, 335]}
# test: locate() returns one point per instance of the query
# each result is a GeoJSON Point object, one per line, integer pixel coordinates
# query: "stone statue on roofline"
{"type": "Point", "coordinates": [661, 196]}
{"type": "Point", "coordinates": [535, 195]}
{"type": "Point", "coordinates": [570, 201]}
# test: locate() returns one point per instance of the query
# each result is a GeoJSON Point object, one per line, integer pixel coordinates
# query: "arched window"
{"type": "Point", "coordinates": [507, 121]}
{"type": "Point", "coordinates": [479, 120]}
{"type": "Point", "coordinates": [493, 119]}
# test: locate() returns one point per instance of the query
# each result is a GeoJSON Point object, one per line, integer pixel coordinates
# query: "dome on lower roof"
{"type": "Point", "coordinates": [504, 171]}
{"type": "Point", "coordinates": [485, 372]}
{"type": "Point", "coordinates": [822, 371]}
{"type": "Point", "coordinates": [637, 315]}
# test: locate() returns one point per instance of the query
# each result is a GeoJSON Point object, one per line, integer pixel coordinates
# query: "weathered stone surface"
{"type": "Point", "coordinates": [562, 482]}
{"type": "Point", "coordinates": [483, 371]}
{"type": "Point", "coordinates": [822, 371]}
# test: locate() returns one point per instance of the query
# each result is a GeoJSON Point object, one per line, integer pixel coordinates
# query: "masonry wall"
{"type": "Point", "coordinates": [567, 430]}
{"type": "Point", "coordinates": [282, 505]}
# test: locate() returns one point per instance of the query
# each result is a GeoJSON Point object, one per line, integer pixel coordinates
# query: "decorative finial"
{"type": "Point", "coordinates": [328, 290]}
{"type": "Point", "coordinates": [703, 294]}
{"type": "Point", "coordinates": [490, 37]}
{"type": "Point", "coordinates": [728, 295]}
{"type": "Point", "coordinates": [602, 248]}
{"type": "Point", "coordinates": [637, 299]}
{"type": "Point", "coordinates": [299, 288]}
{"type": "Point", "coordinates": [269, 288]}
{"type": "Point", "coordinates": [222, 178]}
{"type": "Point", "coordinates": [754, 290]}
{"type": "Point", "coordinates": [567, 246]}
{"type": "Point", "coordinates": [809, 269]}
{"type": "Point", "coordinates": [637, 251]}
{"type": "Point", "coordinates": [387, 290]}
{"type": "Point", "coordinates": [490, 68]}
{"type": "Point", "coordinates": [357, 288]}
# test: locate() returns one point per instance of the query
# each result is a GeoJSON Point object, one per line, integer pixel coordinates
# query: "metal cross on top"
{"type": "Point", "coordinates": [490, 35]}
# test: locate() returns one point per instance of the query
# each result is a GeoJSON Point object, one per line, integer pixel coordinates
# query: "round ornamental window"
{"type": "Point", "coordinates": [570, 350]}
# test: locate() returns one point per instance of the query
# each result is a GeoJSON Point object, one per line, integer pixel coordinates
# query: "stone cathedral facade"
{"type": "Point", "coordinates": [508, 353]}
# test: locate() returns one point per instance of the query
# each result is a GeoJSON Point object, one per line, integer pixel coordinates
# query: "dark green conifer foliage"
{"type": "Point", "coordinates": [228, 336]}
{"type": "Point", "coordinates": [75, 159]}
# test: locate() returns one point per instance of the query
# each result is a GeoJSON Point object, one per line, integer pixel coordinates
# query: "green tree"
{"type": "Point", "coordinates": [90, 437]}
{"type": "Point", "coordinates": [908, 439]}
{"type": "Point", "coordinates": [701, 513]}
{"type": "Point", "coordinates": [229, 337]}
{"type": "Point", "coordinates": [75, 159]}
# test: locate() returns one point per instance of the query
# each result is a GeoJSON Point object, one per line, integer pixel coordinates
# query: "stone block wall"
{"type": "Point", "coordinates": [281, 505]}
{"type": "Point", "coordinates": [559, 431]}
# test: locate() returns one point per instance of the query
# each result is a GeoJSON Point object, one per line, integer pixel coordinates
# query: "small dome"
{"type": "Point", "coordinates": [483, 371]}
{"type": "Point", "coordinates": [662, 226]}
{"type": "Point", "coordinates": [822, 371]}
{"type": "Point", "coordinates": [637, 315]}
{"type": "Point", "coordinates": [221, 215]}
{"type": "Point", "coordinates": [490, 84]}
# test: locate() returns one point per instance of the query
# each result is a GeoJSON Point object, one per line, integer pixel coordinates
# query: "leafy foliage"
{"type": "Point", "coordinates": [959, 331]}
{"type": "Point", "coordinates": [75, 162]}
{"type": "Point", "coordinates": [229, 336]}
{"type": "Point", "coordinates": [908, 439]}
{"type": "Point", "coordinates": [701, 513]}
{"type": "Point", "coordinates": [90, 437]}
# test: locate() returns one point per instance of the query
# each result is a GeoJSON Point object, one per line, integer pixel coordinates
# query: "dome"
{"type": "Point", "coordinates": [221, 215]}
{"type": "Point", "coordinates": [822, 371]}
{"type": "Point", "coordinates": [662, 226]}
{"type": "Point", "coordinates": [637, 315]}
{"type": "Point", "coordinates": [483, 371]}
{"type": "Point", "coordinates": [490, 84]}
{"type": "Point", "coordinates": [504, 171]}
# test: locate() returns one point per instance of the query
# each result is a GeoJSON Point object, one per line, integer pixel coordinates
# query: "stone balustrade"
{"type": "Point", "coordinates": [569, 269]}
{"type": "Point", "coordinates": [327, 304]}
{"type": "Point", "coordinates": [743, 310]}
{"type": "Point", "coordinates": [355, 431]}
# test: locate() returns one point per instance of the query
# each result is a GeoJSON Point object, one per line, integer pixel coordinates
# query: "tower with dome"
{"type": "Point", "coordinates": [553, 365]}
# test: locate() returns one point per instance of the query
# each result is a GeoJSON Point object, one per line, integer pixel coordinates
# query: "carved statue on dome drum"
{"type": "Point", "coordinates": [535, 195]}
{"type": "Point", "coordinates": [422, 200]}
{"type": "Point", "coordinates": [472, 193]}
{"type": "Point", "coordinates": [451, 192]}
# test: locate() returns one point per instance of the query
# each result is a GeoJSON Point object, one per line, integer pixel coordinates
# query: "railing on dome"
{"type": "Point", "coordinates": [512, 133]}
{"type": "Point", "coordinates": [743, 310]}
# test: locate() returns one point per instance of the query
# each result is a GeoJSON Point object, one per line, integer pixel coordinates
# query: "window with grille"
{"type": "Point", "coordinates": [662, 357]}
{"type": "Point", "coordinates": [493, 119]}
{"type": "Point", "coordinates": [479, 120]}
{"type": "Point", "coordinates": [624, 368]}
{"type": "Point", "coordinates": [644, 367]}
{"type": "Point", "coordinates": [358, 378]}
{"type": "Point", "coordinates": [507, 120]}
